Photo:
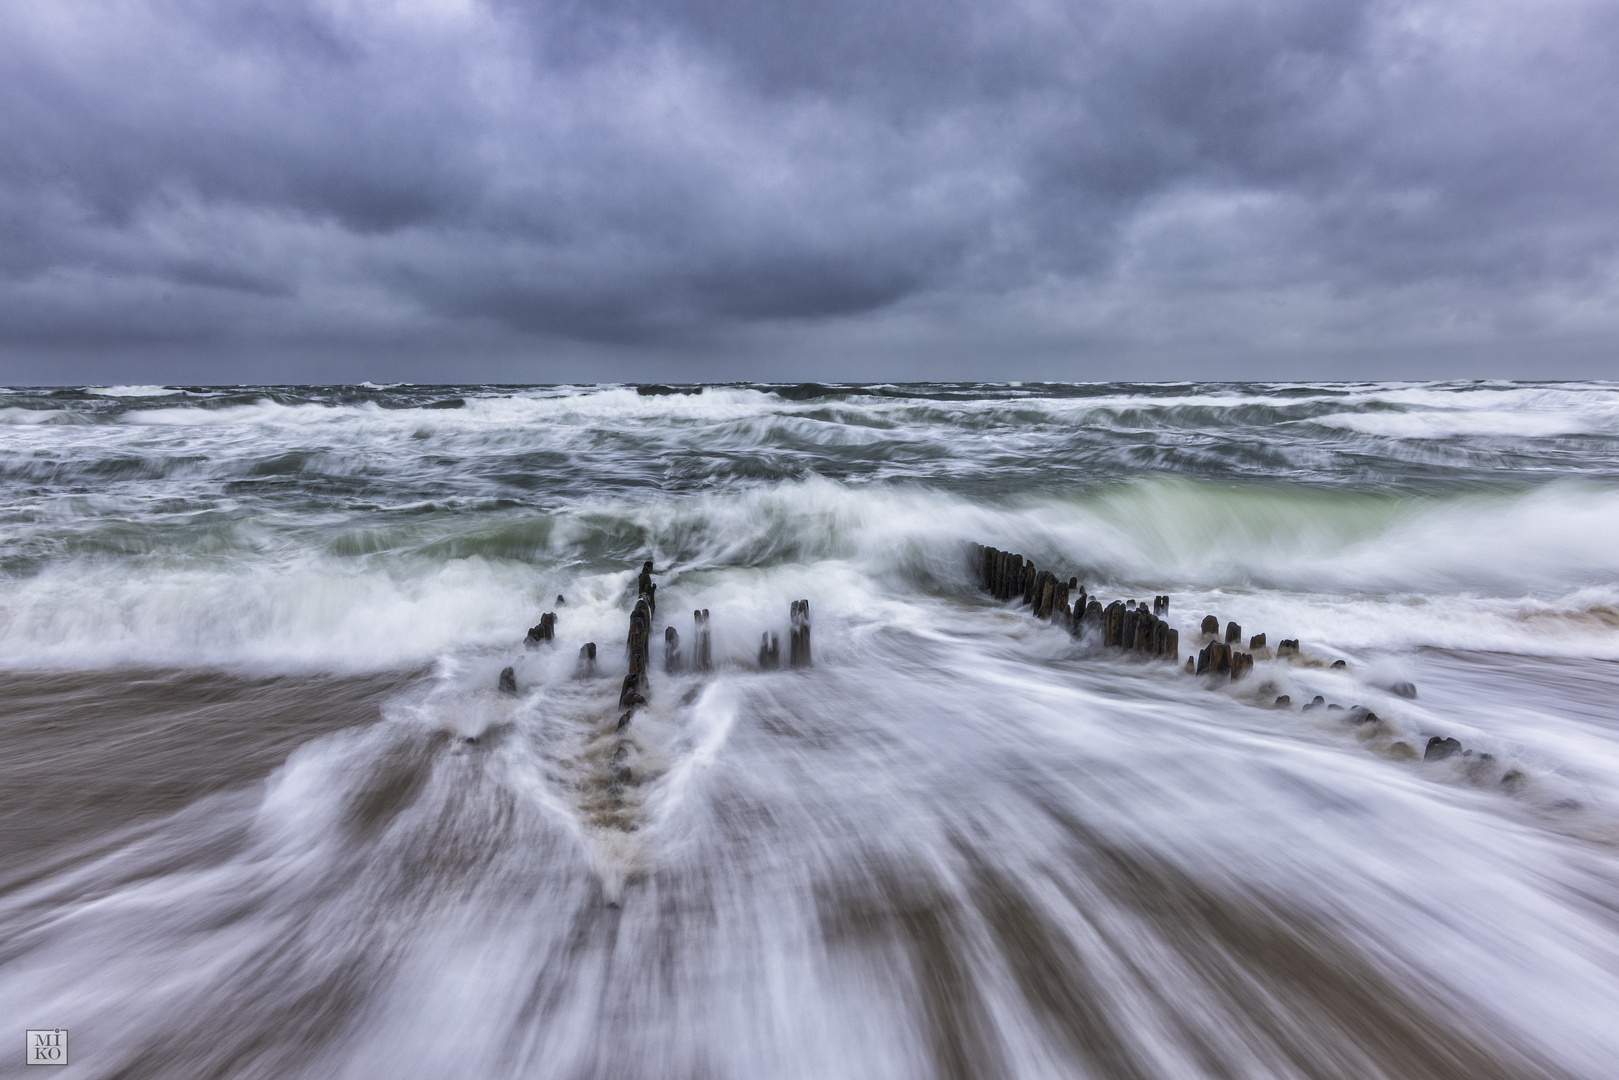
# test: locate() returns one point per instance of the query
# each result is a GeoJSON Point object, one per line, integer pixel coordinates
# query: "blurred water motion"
{"type": "Point", "coordinates": [265, 813]}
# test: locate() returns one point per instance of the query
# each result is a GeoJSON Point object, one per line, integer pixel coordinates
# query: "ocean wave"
{"type": "Point", "coordinates": [133, 391]}
{"type": "Point", "coordinates": [1530, 572]}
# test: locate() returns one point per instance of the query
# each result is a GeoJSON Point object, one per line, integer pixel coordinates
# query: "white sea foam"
{"type": "Point", "coordinates": [962, 843]}
{"type": "Point", "coordinates": [133, 391]}
{"type": "Point", "coordinates": [1531, 573]}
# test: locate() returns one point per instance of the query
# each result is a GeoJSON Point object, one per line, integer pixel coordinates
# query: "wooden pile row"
{"type": "Point", "coordinates": [704, 660]}
{"type": "Point", "coordinates": [798, 640]}
{"type": "Point", "coordinates": [1122, 624]}
{"type": "Point", "coordinates": [636, 687]}
{"type": "Point", "coordinates": [1130, 626]}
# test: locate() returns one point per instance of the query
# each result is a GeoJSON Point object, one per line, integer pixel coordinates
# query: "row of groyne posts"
{"type": "Point", "coordinates": [1129, 626]}
{"type": "Point", "coordinates": [637, 688]}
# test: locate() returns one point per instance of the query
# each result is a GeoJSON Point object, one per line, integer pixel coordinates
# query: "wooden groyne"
{"type": "Point", "coordinates": [1122, 624]}
{"type": "Point", "coordinates": [1128, 626]}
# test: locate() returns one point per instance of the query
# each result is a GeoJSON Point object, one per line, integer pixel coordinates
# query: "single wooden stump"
{"type": "Point", "coordinates": [638, 643]}
{"type": "Point", "coordinates": [1440, 749]}
{"type": "Point", "coordinates": [798, 648]}
{"type": "Point", "coordinates": [1113, 624]}
{"type": "Point", "coordinates": [545, 631]}
{"type": "Point", "coordinates": [671, 650]}
{"type": "Point", "coordinates": [1287, 647]}
{"type": "Point", "coordinates": [1257, 641]}
{"type": "Point", "coordinates": [1215, 659]}
{"type": "Point", "coordinates": [1211, 624]}
{"type": "Point", "coordinates": [508, 681]}
{"type": "Point", "coordinates": [1095, 614]}
{"type": "Point", "coordinates": [635, 690]}
{"type": "Point", "coordinates": [705, 654]}
{"type": "Point", "coordinates": [1233, 633]}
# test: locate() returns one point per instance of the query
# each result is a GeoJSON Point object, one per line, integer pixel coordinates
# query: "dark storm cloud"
{"type": "Point", "coordinates": [438, 178]}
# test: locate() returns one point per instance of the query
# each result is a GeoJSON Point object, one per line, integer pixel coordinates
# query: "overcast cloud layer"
{"type": "Point", "coordinates": [255, 190]}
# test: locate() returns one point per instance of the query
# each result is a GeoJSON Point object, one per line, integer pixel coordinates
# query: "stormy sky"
{"type": "Point", "coordinates": [450, 190]}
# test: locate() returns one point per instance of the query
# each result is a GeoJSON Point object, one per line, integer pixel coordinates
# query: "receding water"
{"type": "Point", "coordinates": [263, 812]}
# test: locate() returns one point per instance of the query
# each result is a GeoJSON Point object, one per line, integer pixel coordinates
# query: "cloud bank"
{"type": "Point", "coordinates": [236, 190]}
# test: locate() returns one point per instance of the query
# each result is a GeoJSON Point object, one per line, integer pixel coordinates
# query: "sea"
{"type": "Point", "coordinates": [266, 811]}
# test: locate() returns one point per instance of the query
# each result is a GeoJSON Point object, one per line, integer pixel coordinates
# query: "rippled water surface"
{"type": "Point", "coordinates": [264, 813]}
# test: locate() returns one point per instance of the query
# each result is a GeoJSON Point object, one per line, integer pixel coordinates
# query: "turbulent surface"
{"type": "Point", "coordinates": [264, 813]}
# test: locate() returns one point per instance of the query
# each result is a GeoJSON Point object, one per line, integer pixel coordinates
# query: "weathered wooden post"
{"type": "Point", "coordinates": [1215, 659]}
{"type": "Point", "coordinates": [705, 655]}
{"type": "Point", "coordinates": [508, 681]}
{"type": "Point", "coordinates": [1257, 641]}
{"type": "Point", "coordinates": [1439, 749]}
{"type": "Point", "coordinates": [645, 587]}
{"type": "Point", "coordinates": [640, 634]}
{"type": "Point", "coordinates": [636, 688]}
{"type": "Point", "coordinates": [637, 645]}
{"type": "Point", "coordinates": [671, 650]}
{"type": "Point", "coordinates": [545, 631]}
{"type": "Point", "coordinates": [1287, 647]}
{"type": "Point", "coordinates": [587, 660]}
{"type": "Point", "coordinates": [798, 636]}
{"type": "Point", "coordinates": [1233, 634]}
{"type": "Point", "coordinates": [1211, 625]}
